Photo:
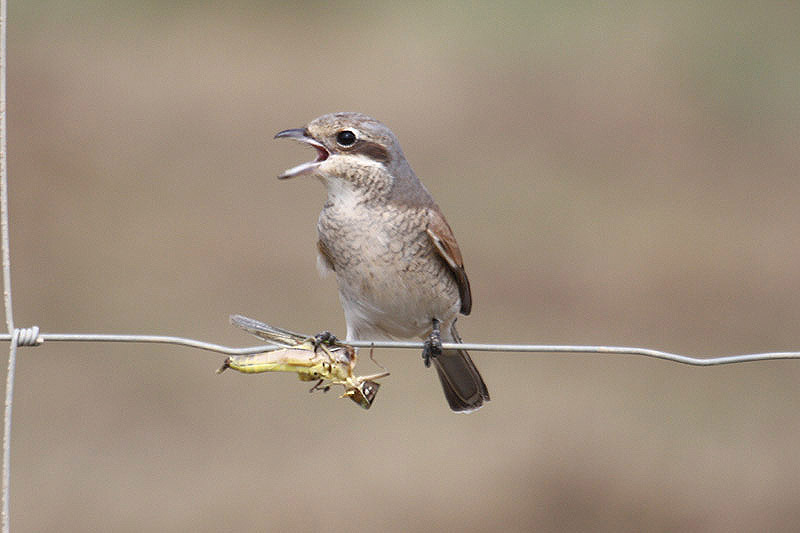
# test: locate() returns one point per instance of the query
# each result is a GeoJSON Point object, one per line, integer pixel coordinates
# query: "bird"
{"type": "Point", "coordinates": [398, 266]}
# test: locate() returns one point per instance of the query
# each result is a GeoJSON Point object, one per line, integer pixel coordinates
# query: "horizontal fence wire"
{"type": "Point", "coordinates": [32, 337]}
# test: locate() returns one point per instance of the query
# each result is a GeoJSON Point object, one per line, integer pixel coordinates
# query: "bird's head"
{"type": "Point", "coordinates": [351, 147]}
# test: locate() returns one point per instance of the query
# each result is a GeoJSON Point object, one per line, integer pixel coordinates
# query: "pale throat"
{"type": "Point", "coordinates": [365, 183]}
{"type": "Point", "coordinates": [342, 194]}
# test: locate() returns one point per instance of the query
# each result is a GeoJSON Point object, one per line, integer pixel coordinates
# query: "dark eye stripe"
{"type": "Point", "coordinates": [372, 150]}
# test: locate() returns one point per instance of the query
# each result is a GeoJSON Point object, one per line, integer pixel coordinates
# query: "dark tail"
{"type": "Point", "coordinates": [462, 383]}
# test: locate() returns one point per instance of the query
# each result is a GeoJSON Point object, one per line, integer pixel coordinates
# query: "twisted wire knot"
{"type": "Point", "coordinates": [27, 336]}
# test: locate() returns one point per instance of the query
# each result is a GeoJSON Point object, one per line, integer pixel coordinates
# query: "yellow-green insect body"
{"type": "Point", "coordinates": [302, 359]}
{"type": "Point", "coordinates": [330, 363]}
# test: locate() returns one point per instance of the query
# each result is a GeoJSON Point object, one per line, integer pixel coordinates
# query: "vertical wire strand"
{"type": "Point", "coordinates": [12, 353]}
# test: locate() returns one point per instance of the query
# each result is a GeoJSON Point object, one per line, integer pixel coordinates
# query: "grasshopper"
{"type": "Point", "coordinates": [328, 362]}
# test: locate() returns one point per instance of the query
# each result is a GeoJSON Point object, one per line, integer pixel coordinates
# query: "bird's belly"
{"type": "Point", "coordinates": [388, 300]}
{"type": "Point", "coordinates": [391, 284]}
{"type": "Point", "coordinates": [366, 322]}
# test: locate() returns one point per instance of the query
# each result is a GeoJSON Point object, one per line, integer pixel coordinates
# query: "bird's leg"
{"type": "Point", "coordinates": [433, 345]}
{"type": "Point", "coordinates": [326, 337]}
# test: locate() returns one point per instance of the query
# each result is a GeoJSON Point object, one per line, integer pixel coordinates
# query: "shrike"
{"type": "Point", "coordinates": [396, 260]}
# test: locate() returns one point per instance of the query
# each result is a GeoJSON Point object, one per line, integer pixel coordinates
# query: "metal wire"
{"type": "Point", "coordinates": [12, 350]}
{"type": "Point", "coordinates": [32, 337]}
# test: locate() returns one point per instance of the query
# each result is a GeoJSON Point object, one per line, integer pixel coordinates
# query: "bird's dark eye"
{"type": "Point", "coordinates": [345, 138]}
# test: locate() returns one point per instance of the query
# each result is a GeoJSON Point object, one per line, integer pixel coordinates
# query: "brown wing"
{"type": "Point", "coordinates": [325, 255]}
{"type": "Point", "coordinates": [324, 259]}
{"type": "Point", "coordinates": [445, 243]}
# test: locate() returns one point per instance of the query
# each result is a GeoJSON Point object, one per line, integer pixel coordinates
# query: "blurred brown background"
{"type": "Point", "coordinates": [621, 175]}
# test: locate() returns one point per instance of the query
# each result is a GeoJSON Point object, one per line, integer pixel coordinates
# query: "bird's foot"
{"type": "Point", "coordinates": [326, 337]}
{"type": "Point", "coordinates": [433, 345]}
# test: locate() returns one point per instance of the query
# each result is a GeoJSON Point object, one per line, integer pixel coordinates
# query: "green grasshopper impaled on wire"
{"type": "Point", "coordinates": [328, 362]}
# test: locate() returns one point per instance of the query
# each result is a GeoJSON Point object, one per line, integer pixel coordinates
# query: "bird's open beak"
{"type": "Point", "coordinates": [303, 136]}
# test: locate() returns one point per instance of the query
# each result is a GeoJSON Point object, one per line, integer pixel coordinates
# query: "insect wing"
{"type": "Point", "coordinates": [267, 332]}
